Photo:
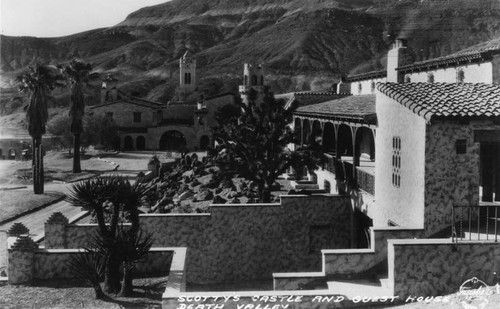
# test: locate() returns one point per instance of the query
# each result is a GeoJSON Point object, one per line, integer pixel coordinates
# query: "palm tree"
{"type": "Point", "coordinates": [78, 72]}
{"type": "Point", "coordinates": [38, 81]}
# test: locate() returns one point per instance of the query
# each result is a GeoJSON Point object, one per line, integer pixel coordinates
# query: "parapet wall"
{"type": "Point", "coordinates": [245, 242]}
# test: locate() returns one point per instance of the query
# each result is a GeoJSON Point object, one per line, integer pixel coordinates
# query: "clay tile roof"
{"type": "Point", "coordinates": [360, 108]}
{"type": "Point", "coordinates": [479, 52]}
{"type": "Point", "coordinates": [367, 75]}
{"type": "Point", "coordinates": [445, 100]}
{"type": "Point", "coordinates": [305, 98]}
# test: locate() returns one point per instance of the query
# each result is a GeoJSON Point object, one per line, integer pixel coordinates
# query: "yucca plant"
{"type": "Point", "coordinates": [111, 199]}
{"type": "Point", "coordinates": [133, 246]}
{"type": "Point", "coordinates": [89, 266]}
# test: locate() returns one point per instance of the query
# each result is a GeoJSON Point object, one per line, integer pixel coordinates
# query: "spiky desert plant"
{"type": "Point", "coordinates": [89, 266]}
{"type": "Point", "coordinates": [253, 145]}
{"type": "Point", "coordinates": [111, 198]}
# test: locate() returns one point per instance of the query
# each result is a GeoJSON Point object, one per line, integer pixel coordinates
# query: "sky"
{"type": "Point", "coordinates": [52, 18]}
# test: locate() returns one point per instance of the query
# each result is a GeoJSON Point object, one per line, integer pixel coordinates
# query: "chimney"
{"type": "Point", "coordinates": [398, 56]}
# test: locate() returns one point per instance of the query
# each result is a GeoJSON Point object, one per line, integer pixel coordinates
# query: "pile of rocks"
{"type": "Point", "coordinates": [193, 184]}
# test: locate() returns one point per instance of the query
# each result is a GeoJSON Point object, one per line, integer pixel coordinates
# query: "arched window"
{"type": "Point", "coordinates": [430, 78]}
{"type": "Point", "coordinates": [187, 78]}
{"type": "Point", "coordinates": [254, 80]}
{"type": "Point", "coordinates": [373, 86]}
{"type": "Point", "coordinates": [460, 76]}
{"type": "Point", "coordinates": [360, 87]}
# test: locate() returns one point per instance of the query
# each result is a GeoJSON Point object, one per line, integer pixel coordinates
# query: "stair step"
{"type": "Point", "coordinates": [361, 287]}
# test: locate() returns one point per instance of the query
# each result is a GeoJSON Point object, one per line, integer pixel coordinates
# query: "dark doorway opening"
{"type": "Point", "coordinates": [140, 143]}
{"type": "Point", "coordinates": [172, 140]}
{"type": "Point", "coordinates": [128, 143]}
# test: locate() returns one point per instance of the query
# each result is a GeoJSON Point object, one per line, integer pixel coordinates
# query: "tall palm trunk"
{"type": "Point", "coordinates": [37, 166]}
{"type": "Point", "coordinates": [76, 153]}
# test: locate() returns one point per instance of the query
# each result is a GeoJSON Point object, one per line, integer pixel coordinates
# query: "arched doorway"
{"type": "Point", "coordinates": [365, 144]}
{"type": "Point", "coordinates": [298, 131]}
{"type": "Point", "coordinates": [329, 138]}
{"type": "Point", "coordinates": [204, 142]}
{"type": "Point", "coordinates": [116, 143]}
{"type": "Point", "coordinates": [172, 140]}
{"type": "Point", "coordinates": [306, 131]}
{"type": "Point", "coordinates": [344, 141]}
{"type": "Point", "coordinates": [140, 143]}
{"type": "Point", "coordinates": [316, 132]}
{"type": "Point", "coordinates": [128, 143]}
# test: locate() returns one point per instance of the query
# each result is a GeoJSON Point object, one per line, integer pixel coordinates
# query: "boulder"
{"type": "Point", "coordinates": [219, 200]}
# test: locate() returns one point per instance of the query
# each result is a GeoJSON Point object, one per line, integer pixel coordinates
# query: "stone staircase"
{"type": "Point", "coordinates": [349, 271]}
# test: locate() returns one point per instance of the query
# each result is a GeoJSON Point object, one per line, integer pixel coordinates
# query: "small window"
{"type": "Point", "coordinates": [407, 78]}
{"type": "Point", "coordinates": [137, 117]}
{"type": "Point", "coordinates": [360, 87]}
{"type": "Point", "coordinates": [460, 76]}
{"type": "Point", "coordinates": [396, 161]}
{"type": "Point", "coordinates": [430, 78]}
{"type": "Point", "coordinates": [373, 86]}
{"type": "Point", "coordinates": [461, 146]}
{"type": "Point", "coordinates": [109, 116]}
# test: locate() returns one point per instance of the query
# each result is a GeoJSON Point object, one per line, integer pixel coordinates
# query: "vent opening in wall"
{"type": "Point", "coordinates": [461, 146]}
{"type": "Point", "coordinates": [460, 76]}
{"type": "Point", "coordinates": [430, 78]}
{"type": "Point", "coordinates": [396, 161]}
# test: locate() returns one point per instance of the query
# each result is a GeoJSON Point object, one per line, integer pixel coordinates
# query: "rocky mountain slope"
{"type": "Point", "coordinates": [303, 44]}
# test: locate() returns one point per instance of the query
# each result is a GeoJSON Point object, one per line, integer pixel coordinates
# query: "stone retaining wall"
{"type": "Point", "coordinates": [431, 267]}
{"type": "Point", "coordinates": [245, 242]}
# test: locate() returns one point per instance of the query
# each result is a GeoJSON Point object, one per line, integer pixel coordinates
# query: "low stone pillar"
{"type": "Point", "coordinates": [22, 260]}
{"type": "Point", "coordinates": [55, 231]}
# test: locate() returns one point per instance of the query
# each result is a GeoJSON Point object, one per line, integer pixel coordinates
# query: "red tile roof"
{"type": "Point", "coordinates": [359, 108]}
{"type": "Point", "coordinates": [445, 100]}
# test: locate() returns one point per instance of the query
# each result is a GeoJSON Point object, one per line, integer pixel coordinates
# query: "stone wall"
{"type": "Point", "coordinates": [242, 242]}
{"type": "Point", "coordinates": [431, 267]}
{"type": "Point", "coordinates": [355, 261]}
{"type": "Point", "coordinates": [450, 178]}
{"type": "Point", "coordinates": [53, 263]}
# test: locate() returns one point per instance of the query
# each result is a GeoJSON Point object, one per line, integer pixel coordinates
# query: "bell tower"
{"type": "Point", "coordinates": [187, 73]}
{"type": "Point", "coordinates": [253, 79]}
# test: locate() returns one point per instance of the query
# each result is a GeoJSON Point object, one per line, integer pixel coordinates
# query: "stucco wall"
{"type": "Point", "coordinates": [241, 242]}
{"type": "Point", "coordinates": [439, 267]}
{"type": "Point", "coordinates": [123, 114]}
{"type": "Point", "coordinates": [405, 204]}
{"type": "Point", "coordinates": [366, 86]}
{"type": "Point", "coordinates": [473, 73]}
{"type": "Point", "coordinates": [450, 178]}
